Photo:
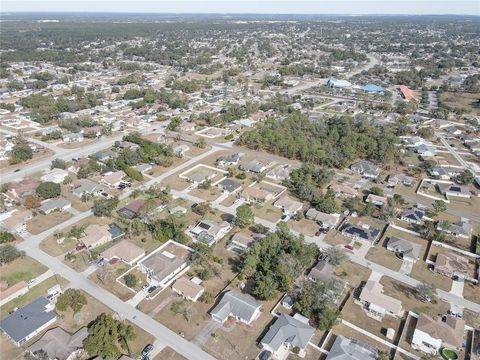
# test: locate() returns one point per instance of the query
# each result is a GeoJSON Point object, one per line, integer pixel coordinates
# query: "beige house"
{"type": "Point", "coordinates": [453, 265]}
{"type": "Point", "coordinates": [189, 289]}
{"type": "Point", "coordinates": [125, 251]}
{"type": "Point", "coordinates": [376, 303]}
{"type": "Point", "coordinates": [96, 235]}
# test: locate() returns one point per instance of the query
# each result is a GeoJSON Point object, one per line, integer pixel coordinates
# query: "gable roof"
{"type": "Point", "coordinates": [27, 319]}
{"type": "Point", "coordinates": [289, 330]}
{"type": "Point", "coordinates": [237, 304]}
{"type": "Point", "coordinates": [407, 248]}
{"type": "Point", "coordinates": [351, 349]}
{"type": "Point", "coordinates": [59, 344]}
{"type": "Point", "coordinates": [372, 293]}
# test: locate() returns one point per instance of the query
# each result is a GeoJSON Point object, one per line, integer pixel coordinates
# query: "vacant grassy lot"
{"type": "Point", "coordinates": [24, 268]}
{"type": "Point", "coordinates": [462, 100]}
{"type": "Point", "coordinates": [40, 223]}
{"type": "Point", "coordinates": [335, 237]}
{"type": "Point", "coordinates": [354, 274]}
{"type": "Point", "coordinates": [105, 277]}
{"type": "Point", "coordinates": [267, 212]}
{"type": "Point", "coordinates": [168, 354]}
{"type": "Point", "coordinates": [406, 295]}
{"type": "Point", "coordinates": [33, 293]}
{"type": "Point", "coordinates": [209, 194]}
{"type": "Point", "coordinates": [304, 226]}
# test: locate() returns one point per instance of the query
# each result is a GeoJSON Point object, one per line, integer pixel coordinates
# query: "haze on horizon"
{"type": "Point", "coordinates": [357, 7]}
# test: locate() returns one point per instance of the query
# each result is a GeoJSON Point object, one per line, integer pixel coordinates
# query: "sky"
{"type": "Point", "coordinates": [414, 7]}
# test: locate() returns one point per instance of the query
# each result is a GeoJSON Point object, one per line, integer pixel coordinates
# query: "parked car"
{"type": "Point", "coordinates": [264, 355]}
{"type": "Point", "coordinates": [147, 350]}
{"type": "Point", "coordinates": [152, 289]}
{"type": "Point", "coordinates": [349, 247]}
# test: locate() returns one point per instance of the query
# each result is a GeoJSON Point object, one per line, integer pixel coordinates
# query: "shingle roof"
{"type": "Point", "coordinates": [351, 349]}
{"type": "Point", "coordinates": [27, 319]}
{"type": "Point", "coordinates": [238, 304]}
{"type": "Point", "coordinates": [59, 344]}
{"type": "Point", "coordinates": [451, 331]}
{"type": "Point", "coordinates": [287, 329]}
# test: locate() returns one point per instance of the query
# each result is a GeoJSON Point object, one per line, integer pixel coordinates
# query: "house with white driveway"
{"type": "Point", "coordinates": [243, 307]}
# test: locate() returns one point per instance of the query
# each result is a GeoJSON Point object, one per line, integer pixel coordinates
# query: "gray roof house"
{"type": "Point", "coordinates": [366, 168]}
{"type": "Point", "coordinates": [345, 348]}
{"type": "Point", "coordinates": [229, 186]}
{"type": "Point", "coordinates": [28, 321]}
{"type": "Point", "coordinates": [408, 250]}
{"type": "Point", "coordinates": [360, 232]}
{"type": "Point", "coordinates": [104, 155]}
{"type": "Point", "coordinates": [253, 166]}
{"type": "Point", "coordinates": [229, 159]}
{"type": "Point", "coordinates": [462, 228]}
{"type": "Point", "coordinates": [59, 344]}
{"type": "Point", "coordinates": [87, 187]}
{"type": "Point", "coordinates": [288, 332]}
{"type": "Point", "coordinates": [54, 204]}
{"type": "Point", "coordinates": [454, 190]}
{"type": "Point", "coordinates": [242, 307]}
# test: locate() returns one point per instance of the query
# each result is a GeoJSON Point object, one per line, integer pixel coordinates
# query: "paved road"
{"type": "Point", "coordinates": [455, 153]}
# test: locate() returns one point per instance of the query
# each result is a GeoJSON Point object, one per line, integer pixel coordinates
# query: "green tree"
{"type": "Point", "coordinates": [439, 206]}
{"type": "Point", "coordinates": [265, 287]}
{"type": "Point", "coordinates": [376, 190]}
{"type": "Point", "coordinates": [8, 253]}
{"type": "Point", "coordinates": [71, 298]}
{"type": "Point", "coordinates": [174, 123]}
{"type": "Point", "coordinates": [107, 336]}
{"type": "Point", "coordinates": [104, 207]}
{"type": "Point", "coordinates": [466, 177]}
{"type": "Point", "coordinates": [201, 143]}
{"type": "Point", "coordinates": [181, 308]}
{"type": "Point", "coordinates": [244, 216]}
{"type": "Point", "coordinates": [6, 237]}
{"type": "Point", "coordinates": [48, 190]}
{"type": "Point", "coordinates": [425, 292]}
{"type": "Point", "coordinates": [58, 164]}
{"type": "Point", "coordinates": [337, 255]}
{"type": "Point", "coordinates": [130, 280]}
{"type": "Point", "coordinates": [20, 152]}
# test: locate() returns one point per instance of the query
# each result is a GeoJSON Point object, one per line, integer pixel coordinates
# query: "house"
{"type": "Point", "coordinates": [55, 175]}
{"type": "Point", "coordinates": [59, 344]}
{"type": "Point", "coordinates": [15, 220]}
{"type": "Point", "coordinates": [376, 303]}
{"type": "Point", "coordinates": [326, 221]}
{"type": "Point", "coordinates": [189, 289]}
{"type": "Point", "coordinates": [209, 232]}
{"type": "Point", "coordinates": [105, 155]}
{"type": "Point", "coordinates": [165, 263]}
{"type": "Point", "coordinates": [229, 160]}
{"type": "Point", "coordinates": [344, 348]}
{"type": "Point", "coordinates": [372, 88]}
{"type": "Point", "coordinates": [406, 92]}
{"type": "Point", "coordinates": [288, 333]}
{"type": "Point", "coordinates": [363, 232]}
{"type": "Point", "coordinates": [28, 321]}
{"type": "Point", "coordinates": [279, 173]}
{"type": "Point", "coordinates": [128, 145]}
{"type": "Point", "coordinates": [242, 307]}
{"type": "Point", "coordinates": [343, 190]}
{"type": "Point", "coordinates": [376, 200]}
{"type": "Point", "coordinates": [96, 235]}
{"type": "Point", "coordinates": [333, 82]}
{"type": "Point", "coordinates": [322, 271]}
{"type": "Point", "coordinates": [432, 334]}
{"type": "Point", "coordinates": [113, 178]}
{"type": "Point", "coordinates": [178, 210]}
{"type": "Point", "coordinates": [200, 175]}
{"type": "Point", "coordinates": [288, 205]}
{"type": "Point", "coordinates": [51, 205]}
{"type": "Point", "coordinates": [180, 150]}
{"type": "Point", "coordinates": [241, 242]}
{"type": "Point", "coordinates": [23, 188]}
{"type": "Point", "coordinates": [453, 265]}
{"type": "Point", "coordinates": [132, 209]}
{"type": "Point", "coordinates": [229, 186]}
{"type": "Point", "coordinates": [143, 168]}
{"type": "Point", "coordinates": [254, 194]}
{"type": "Point", "coordinates": [462, 228]}
{"type": "Point", "coordinates": [254, 166]}
{"type": "Point", "coordinates": [453, 190]}
{"type": "Point", "coordinates": [413, 215]}
{"type": "Point", "coordinates": [8, 293]}
{"type": "Point", "coordinates": [366, 169]}
{"type": "Point", "coordinates": [403, 179]}
{"type": "Point", "coordinates": [426, 150]}
{"type": "Point", "coordinates": [72, 137]}
{"type": "Point", "coordinates": [87, 187]}
{"type": "Point", "coordinates": [125, 251]}
{"type": "Point", "coordinates": [408, 250]}
{"type": "Point", "coordinates": [443, 173]}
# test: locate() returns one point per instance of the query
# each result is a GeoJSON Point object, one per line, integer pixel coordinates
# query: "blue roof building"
{"type": "Point", "coordinates": [372, 88]}
{"type": "Point", "coordinates": [335, 83]}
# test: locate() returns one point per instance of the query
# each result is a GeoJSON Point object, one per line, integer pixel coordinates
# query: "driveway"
{"type": "Point", "coordinates": [206, 333]}
{"type": "Point", "coordinates": [406, 267]}
{"type": "Point", "coordinates": [457, 287]}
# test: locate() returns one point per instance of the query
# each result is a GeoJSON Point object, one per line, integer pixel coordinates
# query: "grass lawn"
{"type": "Point", "coordinates": [52, 247]}
{"type": "Point", "coordinates": [80, 261]}
{"type": "Point", "coordinates": [353, 273]}
{"type": "Point", "coordinates": [9, 350]}
{"type": "Point", "coordinates": [24, 268]}
{"type": "Point", "coordinates": [175, 182]}
{"type": "Point", "coordinates": [335, 237]}
{"type": "Point", "coordinates": [462, 100]}
{"type": "Point", "coordinates": [33, 293]}
{"type": "Point", "coordinates": [422, 273]}
{"type": "Point", "coordinates": [380, 255]}
{"type": "Point", "coordinates": [169, 354]}
{"type": "Point", "coordinates": [141, 340]}
{"type": "Point", "coordinates": [267, 212]}
{"type": "Point", "coordinates": [40, 223]}
{"type": "Point", "coordinates": [207, 194]}
{"type": "Point", "coordinates": [141, 279]}
{"type": "Point", "coordinates": [354, 314]}
{"type": "Point", "coordinates": [471, 292]}
{"type": "Point", "coordinates": [406, 295]}
{"type": "Point", "coordinates": [110, 273]}
{"type": "Point", "coordinates": [304, 226]}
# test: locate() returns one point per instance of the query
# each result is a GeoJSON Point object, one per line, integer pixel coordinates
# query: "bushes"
{"type": "Point", "coordinates": [48, 190]}
{"type": "Point", "coordinates": [8, 253]}
{"type": "Point", "coordinates": [6, 237]}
